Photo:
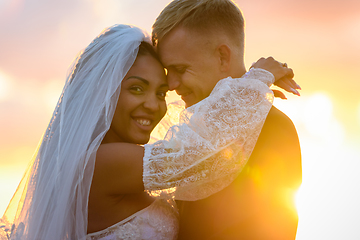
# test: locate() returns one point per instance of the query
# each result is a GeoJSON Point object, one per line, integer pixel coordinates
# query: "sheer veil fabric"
{"type": "Point", "coordinates": [52, 198]}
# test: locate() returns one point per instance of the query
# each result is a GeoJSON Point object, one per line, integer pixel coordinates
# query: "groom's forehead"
{"type": "Point", "coordinates": [180, 44]}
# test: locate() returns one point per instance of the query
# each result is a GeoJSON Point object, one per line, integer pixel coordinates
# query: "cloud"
{"type": "Point", "coordinates": [320, 12]}
{"type": "Point", "coordinates": [358, 114]}
{"type": "Point", "coordinates": [41, 38]}
{"type": "Point", "coordinates": [314, 117]}
{"type": "Point", "coordinates": [5, 86]}
{"type": "Point", "coordinates": [330, 164]}
{"type": "Point", "coordinates": [39, 41]}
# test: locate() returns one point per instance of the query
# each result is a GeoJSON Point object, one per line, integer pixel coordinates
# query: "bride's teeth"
{"type": "Point", "coordinates": [144, 122]}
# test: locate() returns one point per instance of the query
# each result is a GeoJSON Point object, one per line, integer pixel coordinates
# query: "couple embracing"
{"type": "Point", "coordinates": [226, 170]}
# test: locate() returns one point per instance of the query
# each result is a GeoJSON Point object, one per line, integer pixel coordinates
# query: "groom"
{"type": "Point", "coordinates": [201, 42]}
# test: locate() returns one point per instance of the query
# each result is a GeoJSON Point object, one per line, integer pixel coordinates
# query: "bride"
{"type": "Point", "coordinates": [88, 177]}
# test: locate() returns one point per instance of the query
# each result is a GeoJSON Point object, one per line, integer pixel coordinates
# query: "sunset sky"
{"type": "Point", "coordinates": [318, 39]}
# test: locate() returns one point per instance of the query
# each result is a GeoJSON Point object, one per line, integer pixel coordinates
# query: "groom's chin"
{"type": "Point", "coordinates": [189, 102]}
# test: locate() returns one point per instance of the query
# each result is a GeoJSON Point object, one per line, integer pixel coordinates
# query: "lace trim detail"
{"type": "Point", "coordinates": [262, 75]}
{"type": "Point", "coordinates": [157, 221]}
{"type": "Point", "coordinates": [212, 141]}
{"type": "Point", "coordinates": [121, 222]}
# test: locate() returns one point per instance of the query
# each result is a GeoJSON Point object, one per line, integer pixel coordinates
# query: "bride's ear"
{"type": "Point", "coordinates": [224, 53]}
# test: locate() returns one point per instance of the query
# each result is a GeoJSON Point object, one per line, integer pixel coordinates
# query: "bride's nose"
{"type": "Point", "coordinates": [152, 103]}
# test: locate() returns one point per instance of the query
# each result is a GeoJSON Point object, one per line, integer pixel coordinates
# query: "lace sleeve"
{"type": "Point", "coordinates": [213, 140]}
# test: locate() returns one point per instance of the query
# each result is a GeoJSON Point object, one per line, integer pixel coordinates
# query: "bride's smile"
{"type": "Point", "coordinates": [141, 104]}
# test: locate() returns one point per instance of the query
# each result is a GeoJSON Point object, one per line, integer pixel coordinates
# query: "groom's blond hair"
{"type": "Point", "coordinates": [203, 16]}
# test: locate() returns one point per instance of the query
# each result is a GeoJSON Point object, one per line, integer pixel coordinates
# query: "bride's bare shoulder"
{"type": "Point", "coordinates": [119, 150]}
{"type": "Point", "coordinates": [118, 169]}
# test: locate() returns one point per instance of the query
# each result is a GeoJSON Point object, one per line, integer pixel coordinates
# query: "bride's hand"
{"type": "Point", "coordinates": [283, 75]}
{"type": "Point", "coordinates": [288, 85]}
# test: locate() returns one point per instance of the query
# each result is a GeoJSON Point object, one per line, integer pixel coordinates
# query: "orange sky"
{"type": "Point", "coordinates": [318, 39]}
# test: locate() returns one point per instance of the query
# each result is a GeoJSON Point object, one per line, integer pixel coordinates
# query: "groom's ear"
{"type": "Point", "coordinates": [224, 53]}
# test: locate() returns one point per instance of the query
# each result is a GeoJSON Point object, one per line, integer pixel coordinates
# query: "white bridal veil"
{"type": "Point", "coordinates": [52, 198]}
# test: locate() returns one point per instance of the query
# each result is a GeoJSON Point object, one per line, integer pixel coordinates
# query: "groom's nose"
{"type": "Point", "coordinates": [173, 81]}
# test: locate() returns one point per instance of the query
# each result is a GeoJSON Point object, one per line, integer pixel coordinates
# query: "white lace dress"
{"type": "Point", "coordinates": [200, 156]}
{"type": "Point", "coordinates": [158, 221]}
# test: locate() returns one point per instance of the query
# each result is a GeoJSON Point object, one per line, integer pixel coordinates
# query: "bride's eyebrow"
{"type": "Point", "coordinates": [146, 81]}
{"type": "Point", "coordinates": [139, 78]}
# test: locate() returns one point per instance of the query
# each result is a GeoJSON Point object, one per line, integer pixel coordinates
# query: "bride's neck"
{"type": "Point", "coordinates": [111, 137]}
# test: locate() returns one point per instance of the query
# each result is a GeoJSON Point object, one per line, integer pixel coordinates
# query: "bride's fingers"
{"type": "Point", "coordinates": [279, 94]}
{"type": "Point", "coordinates": [297, 86]}
{"type": "Point", "coordinates": [291, 83]}
{"type": "Point", "coordinates": [289, 73]}
{"type": "Point", "coordinates": [285, 84]}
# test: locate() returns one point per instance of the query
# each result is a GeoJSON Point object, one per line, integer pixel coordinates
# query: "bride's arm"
{"type": "Point", "coordinates": [212, 135]}
{"type": "Point", "coordinates": [213, 141]}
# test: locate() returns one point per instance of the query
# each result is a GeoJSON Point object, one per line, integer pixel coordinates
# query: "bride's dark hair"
{"type": "Point", "coordinates": [146, 48]}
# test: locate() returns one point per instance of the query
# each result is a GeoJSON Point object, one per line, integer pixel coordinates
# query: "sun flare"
{"type": "Point", "coordinates": [318, 114]}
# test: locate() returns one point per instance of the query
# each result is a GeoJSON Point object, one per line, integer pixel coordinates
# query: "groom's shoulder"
{"type": "Point", "coordinates": [279, 132]}
{"type": "Point", "coordinates": [277, 118]}
{"type": "Point", "coordinates": [279, 144]}
{"type": "Point", "coordinates": [279, 128]}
